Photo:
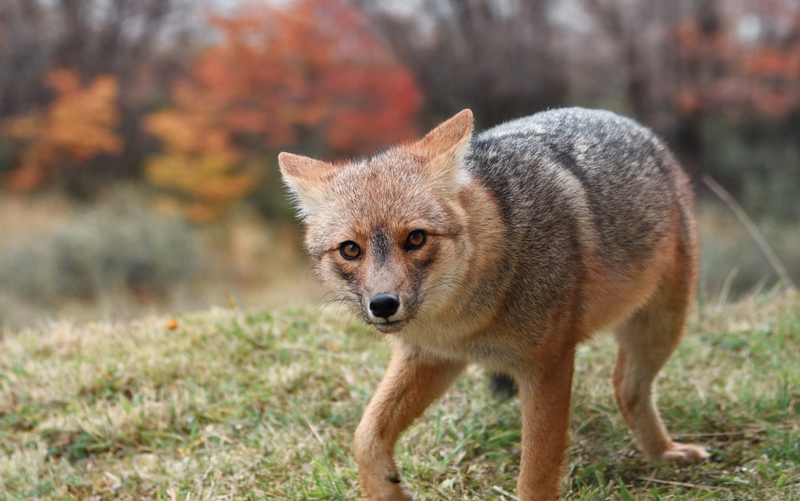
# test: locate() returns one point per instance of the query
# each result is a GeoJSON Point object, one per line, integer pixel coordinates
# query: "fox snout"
{"type": "Point", "coordinates": [387, 313]}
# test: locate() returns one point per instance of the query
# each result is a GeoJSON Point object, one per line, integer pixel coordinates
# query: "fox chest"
{"type": "Point", "coordinates": [492, 346]}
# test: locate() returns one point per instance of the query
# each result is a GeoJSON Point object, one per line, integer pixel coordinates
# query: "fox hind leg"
{"type": "Point", "coordinates": [646, 341]}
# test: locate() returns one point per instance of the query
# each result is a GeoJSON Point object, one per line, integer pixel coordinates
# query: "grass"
{"type": "Point", "coordinates": [262, 405]}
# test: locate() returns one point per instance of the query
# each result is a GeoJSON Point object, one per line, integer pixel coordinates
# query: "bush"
{"type": "Point", "coordinates": [759, 162]}
{"type": "Point", "coordinates": [123, 247]}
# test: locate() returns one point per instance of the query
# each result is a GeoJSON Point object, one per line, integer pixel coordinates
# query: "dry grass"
{"type": "Point", "coordinates": [262, 405]}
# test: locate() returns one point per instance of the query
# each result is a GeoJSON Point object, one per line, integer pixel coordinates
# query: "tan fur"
{"type": "Point", "coordinates": [459, 295]}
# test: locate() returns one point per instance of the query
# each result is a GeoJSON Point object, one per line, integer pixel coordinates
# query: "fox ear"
{"type": "Point", "coordinates": [444, 148]}
{"type": "Point", "coordinates": [307, 179]}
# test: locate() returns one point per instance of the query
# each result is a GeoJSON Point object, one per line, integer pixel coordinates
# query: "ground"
{"type": "Point", "coordinates": [232, 404]}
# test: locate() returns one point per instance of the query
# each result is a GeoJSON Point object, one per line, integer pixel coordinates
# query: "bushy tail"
{"type": "Point", "coordinates": [503, 385]}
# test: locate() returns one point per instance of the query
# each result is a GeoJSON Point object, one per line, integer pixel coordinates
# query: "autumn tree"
{"type": "Point", "coordinates": [309, 76]}
{"type": "Point", "coordinates": [744, 68]}
{"type": "Point", "coordinates": [77, 126]}
{"type": "Point", "coordinates": [739, 92]}
{"type": "Point", "coordinates": [144, 44]}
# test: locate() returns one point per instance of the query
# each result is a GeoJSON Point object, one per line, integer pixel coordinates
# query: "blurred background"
{"type": "Point", "coordinates": [138, 138]}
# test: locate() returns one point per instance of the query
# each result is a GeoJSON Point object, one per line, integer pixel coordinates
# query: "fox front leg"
{"type": "Point", "coordinates": [410, 385]}
{"type": "Point", "coordinates": [544, 403]}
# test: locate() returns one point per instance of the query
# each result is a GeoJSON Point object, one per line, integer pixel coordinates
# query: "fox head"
{"type": "Point", "coordinates": [385, 232]}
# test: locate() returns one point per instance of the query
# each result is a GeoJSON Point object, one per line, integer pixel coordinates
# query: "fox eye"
{"type": "Point", "coordinates": [415, 240]}
{"type": "Point", "coordinates": [350, 250]}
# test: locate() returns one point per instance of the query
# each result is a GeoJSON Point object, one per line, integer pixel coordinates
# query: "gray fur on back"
{"type": "Point", "coordinates": [568, 178]}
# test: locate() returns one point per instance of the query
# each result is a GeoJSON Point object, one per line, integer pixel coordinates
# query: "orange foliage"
{"type": "Point", "coordinates": [77, 126]}
{"type": "Point", "coordinates": [734, 78]}
{"type": "Point", "coordinates": [309, 75]}
{"type": "Point", "coordinates": [199, 158]}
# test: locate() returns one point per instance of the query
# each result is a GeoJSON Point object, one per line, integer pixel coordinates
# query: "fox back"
{"type": "Point", "coordinates": [594, 210]}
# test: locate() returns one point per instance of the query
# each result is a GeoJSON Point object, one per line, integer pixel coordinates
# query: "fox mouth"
{"type": "Point", "coordinates": [389, 327]}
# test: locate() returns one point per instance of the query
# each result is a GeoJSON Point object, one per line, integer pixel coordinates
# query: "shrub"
{"type": "Point", "coordinates": [123, 247]}
{"type": "Point", "coordinates": [759, 162]}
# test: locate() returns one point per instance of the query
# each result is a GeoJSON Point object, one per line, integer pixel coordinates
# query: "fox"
{"type": "Point", "coordinates": [507, 249]}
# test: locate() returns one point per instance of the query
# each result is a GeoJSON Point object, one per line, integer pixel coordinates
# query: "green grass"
{"type": "Point", "coordinates": [263, 405]}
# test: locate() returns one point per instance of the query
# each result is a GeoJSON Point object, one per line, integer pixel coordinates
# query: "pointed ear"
{"type": "Point", "coordinates": [444, 149]}
{"type": "Point", "coordinates": [307, 179]}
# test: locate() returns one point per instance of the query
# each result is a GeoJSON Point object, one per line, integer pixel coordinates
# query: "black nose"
{"type": "Point", "coordinates": [384, 305]}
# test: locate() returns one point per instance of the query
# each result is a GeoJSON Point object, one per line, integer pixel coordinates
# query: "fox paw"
{"type": "Point", "coordinates": [391, 492]}
{"type": "Point", "coordinates": [684, 454]}
{"type": "Point", "coordinates": [398, 495]}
